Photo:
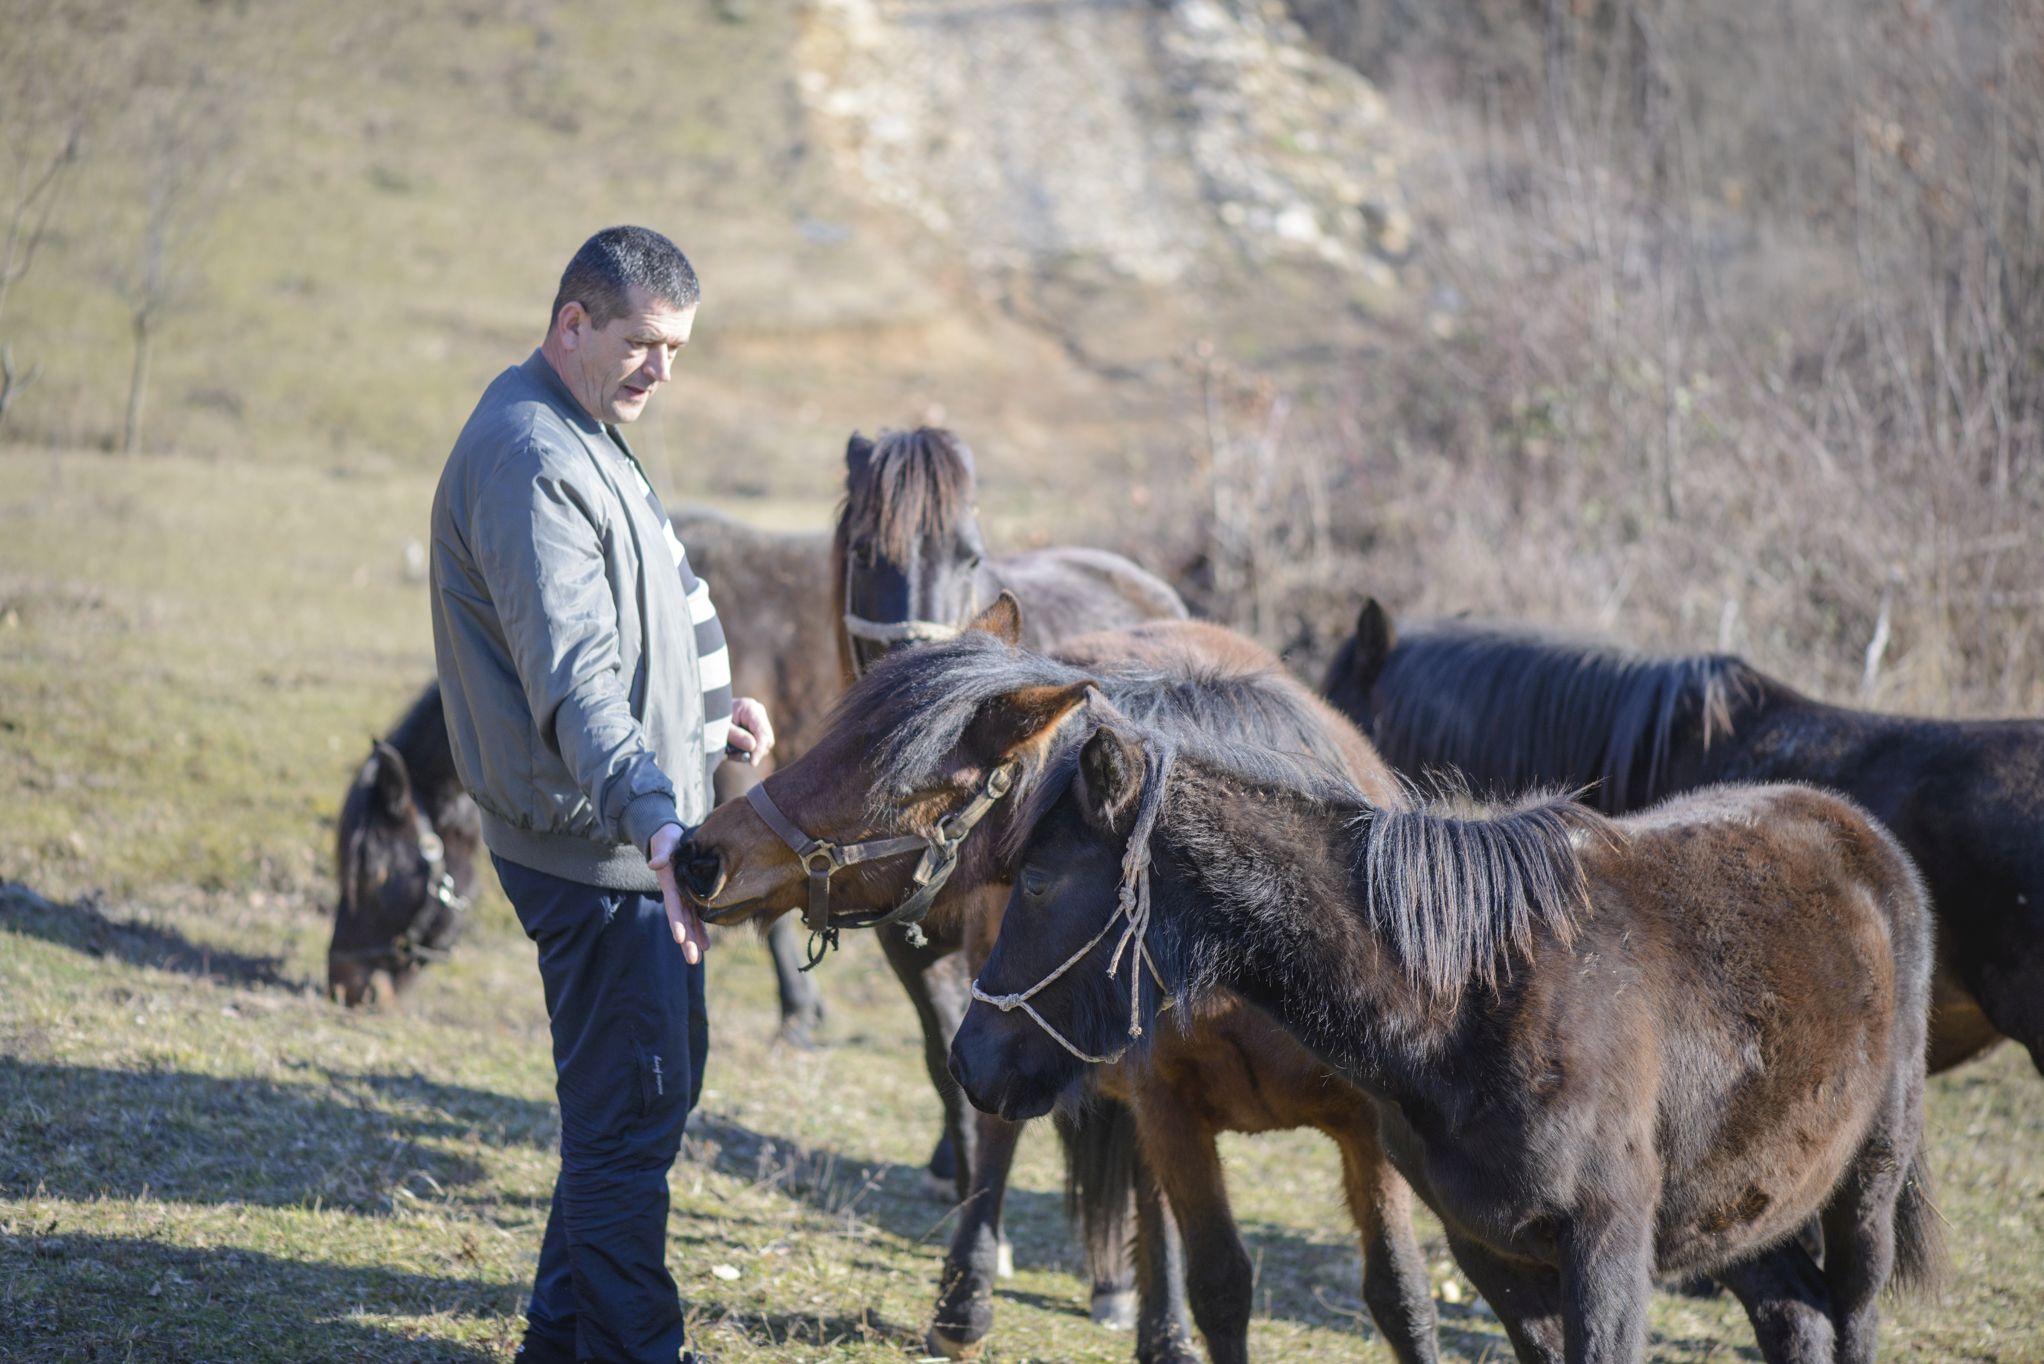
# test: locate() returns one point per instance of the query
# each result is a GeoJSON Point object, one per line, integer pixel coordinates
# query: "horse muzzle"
{"type": "Point", "coordinates": [701, 874]}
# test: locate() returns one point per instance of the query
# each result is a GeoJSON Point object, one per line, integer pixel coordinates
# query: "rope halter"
{"type": "Point", "coordinates": [1132, 908]}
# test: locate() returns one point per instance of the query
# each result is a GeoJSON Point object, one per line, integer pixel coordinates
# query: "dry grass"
{"type": "Point", "coordinates": [201, 1159]}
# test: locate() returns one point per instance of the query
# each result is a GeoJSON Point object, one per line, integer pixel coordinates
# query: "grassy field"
{"type": "Point", "coordinates": [201, 1159]}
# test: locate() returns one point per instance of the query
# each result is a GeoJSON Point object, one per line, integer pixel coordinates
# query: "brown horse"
{"type": "Point", "coordinates": [1603, 1050]}
{"type": "Point", "coordinates": [409, 842]}
{"type": "Point", "coordinates": [910, 745]}
{"type": "Point", "coordinates": [1511, 709]}
{"type": "Point", "coordinates": [911, 565]}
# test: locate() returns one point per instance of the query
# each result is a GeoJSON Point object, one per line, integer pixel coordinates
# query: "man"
{"type": "Point", "coordinates": [588, 699]}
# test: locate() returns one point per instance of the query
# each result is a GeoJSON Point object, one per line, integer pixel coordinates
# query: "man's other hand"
{"type": "Point", "coordinates": [681, 914]}
{"type": "Point", "coordinates": [752, 733]}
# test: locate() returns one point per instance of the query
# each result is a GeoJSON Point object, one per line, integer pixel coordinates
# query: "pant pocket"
{"type": "Point", "coordinates": [665, 1076]}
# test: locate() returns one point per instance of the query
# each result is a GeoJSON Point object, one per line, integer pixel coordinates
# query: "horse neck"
{"type": "Point", "coordinates": [1270, 906]}
{"type": "Point", "coordinates": [1790, 737]}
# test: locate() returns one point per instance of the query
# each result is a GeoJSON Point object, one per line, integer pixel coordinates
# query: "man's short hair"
{"type": "Point", "coordinates": [604, 271]}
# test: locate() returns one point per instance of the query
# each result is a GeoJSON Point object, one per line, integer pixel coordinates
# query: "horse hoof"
{"type": "Point", "coordinates": [950, 1347]}
{"type": "Point", "coordinates": [795, 1033]}
{"type": "Point", "coordinates": [1004, 1260]}
{"type": "Point", "coordinates": [1115, 1309]}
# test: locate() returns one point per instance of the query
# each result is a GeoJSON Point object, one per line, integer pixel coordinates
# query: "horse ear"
{"type": "Point", "coordinates": [1002, 620]}
{"type": "Point", "coordinates": [1375, 637]}
{"type": "Point", "coordinates": [1026, 719]}
{"type": "Point", "coordinates": [858, 450]}
{"type": "Point", "coordinates": [1110, 780]}
{"type": "Point", "coordinates": [386, 772]}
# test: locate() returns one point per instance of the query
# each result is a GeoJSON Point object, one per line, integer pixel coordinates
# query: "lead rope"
{"type": "Point", "coordinates": [1132, 904]}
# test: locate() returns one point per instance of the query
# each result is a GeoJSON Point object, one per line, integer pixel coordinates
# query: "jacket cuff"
{"type": "Point", "coordinates": [644, 816]}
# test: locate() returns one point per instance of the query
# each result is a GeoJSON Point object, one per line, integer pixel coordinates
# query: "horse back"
{"type": "Point", "coordinates": [1778, 939]}
{"type": "Point", "coordinates": [1072, 590]}
{"type": "Point", "coordinates": [1201, 647]}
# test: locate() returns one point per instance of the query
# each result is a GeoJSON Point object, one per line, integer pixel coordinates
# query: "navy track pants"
{"type": "Point", "coordinates": [630, 1036]}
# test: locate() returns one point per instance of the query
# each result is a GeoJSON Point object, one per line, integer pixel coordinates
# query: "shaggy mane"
{"type": "Point", "coordinates": [1513, 710]}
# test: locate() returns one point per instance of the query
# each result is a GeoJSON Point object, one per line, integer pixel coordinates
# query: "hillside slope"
{"type": "Point", "coordinates": [1016, 217]}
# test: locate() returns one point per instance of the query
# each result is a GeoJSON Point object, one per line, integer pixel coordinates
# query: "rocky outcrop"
{"type": "Point", "coordinates": [1159, 138]}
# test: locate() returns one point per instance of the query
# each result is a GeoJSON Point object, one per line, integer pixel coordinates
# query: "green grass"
{"type": "Point", "coordinates": [201, 1159]}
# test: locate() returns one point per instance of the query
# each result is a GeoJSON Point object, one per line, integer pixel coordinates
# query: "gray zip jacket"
{"type": "Point", "coordinates": [567, 660]}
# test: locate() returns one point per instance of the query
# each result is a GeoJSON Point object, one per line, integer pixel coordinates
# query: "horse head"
{"type": "Point", "coordinates": [399, 905]}
{"type": "Point", "coordinates": [924, 747]}
{"type": "Point", "coordinates": [908, 542]}
{"type": "Point", "coordinates": [1073, 979]}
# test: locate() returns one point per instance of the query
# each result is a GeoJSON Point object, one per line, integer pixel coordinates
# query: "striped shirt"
{"type": "Point", "coordinates": [713, 656]}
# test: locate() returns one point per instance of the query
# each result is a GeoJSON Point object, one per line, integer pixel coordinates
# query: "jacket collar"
{"type": "Point", "coordinates": [564, 401]}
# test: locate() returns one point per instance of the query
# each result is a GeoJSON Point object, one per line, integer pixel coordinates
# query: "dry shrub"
{"type": "Point", "coordinates": [1735, 339]}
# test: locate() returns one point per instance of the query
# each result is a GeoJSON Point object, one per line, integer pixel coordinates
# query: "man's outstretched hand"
{"type": "Point", "coordinates": [681, 914]}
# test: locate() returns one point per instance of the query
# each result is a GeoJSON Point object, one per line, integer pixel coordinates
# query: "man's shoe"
{"type": "Point", "coordinates": [539, 1350]}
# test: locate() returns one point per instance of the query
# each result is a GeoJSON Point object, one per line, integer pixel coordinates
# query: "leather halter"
{"type": "Point", "coordinates": [820, 857]}
{"type": "Point", "coordinates": [410, 947]}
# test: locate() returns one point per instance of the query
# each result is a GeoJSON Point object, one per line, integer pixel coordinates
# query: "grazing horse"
{"type": "Point", "coordinates": [1604, 1050]}
{"type": "Point", "coordinates": [1511, 710]}
{"type": "Point", "coordinates": [409, 840]}
{"type": "Point", "coordinates": [918, 740]}
{"type": "Point", "coordinates": [408, 844]}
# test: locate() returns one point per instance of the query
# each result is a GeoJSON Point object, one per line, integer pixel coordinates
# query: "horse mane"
{"type": "Point", "coordinates": [922, 700]}
{"type": "Point", "coordinates": [913, 486]}
{"type": "Point", "coordinates": [1456, 897]}
{"type": "Point", "coordinates": [1513, 710]}
{"type": "Point", "coordinates": [1453, 895]}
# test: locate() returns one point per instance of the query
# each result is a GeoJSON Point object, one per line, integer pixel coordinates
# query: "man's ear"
{"type": "Point", "coordinates": [858, 453]}
{"type": "Point", "coordinates": [569, 324]}
{"type": "Point", "coordinates": [384, 771]}
{"type": "Point", "coordinates": [1110, 780]}
{"type": "Point", "coordinates": [1002, 620]}
{"type": "Point", "coordinates": [1375, 638]}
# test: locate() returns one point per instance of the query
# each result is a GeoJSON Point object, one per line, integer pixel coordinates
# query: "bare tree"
{"type": "Point", "coordinates": [48, 105]}
{"type": "Point", "coordinates": [187, 131]}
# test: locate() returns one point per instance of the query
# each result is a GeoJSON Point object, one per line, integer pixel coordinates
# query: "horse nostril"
{"type": "Point", "coordinates": [702, 871]}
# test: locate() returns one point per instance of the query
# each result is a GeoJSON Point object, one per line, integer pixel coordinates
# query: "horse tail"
{"type": "Point", "coordinates": [1921, 1263]}
{"type": "Point", "coordinates": [1099, 1137]}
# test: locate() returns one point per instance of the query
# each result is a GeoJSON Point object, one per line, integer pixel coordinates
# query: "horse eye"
{"type": "Point", "coordinates": [1034, 882]}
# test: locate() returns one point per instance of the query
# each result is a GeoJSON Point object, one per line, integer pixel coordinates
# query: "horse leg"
{"type": "Point", "coordinates": [1526, 1298]}
{"type": "Point", "coordinates": [1607, 1280]}
{"type": "Point", "coordinates": [801, 1003]}
{"type": "Point", "coordinates": [1162, 1335]}
{"type": "Point", "coordinates": [1179, 1154]}
{"type": "Point", "coordinates": [933, 975]}
{"type": "Point", "coordinates": [1786, 1299]}
{"type": "Point", "coordinates": [1395, 1285]}
{"type": "Point", "coordinates": [1099, 1140]}
{"type": "Point", "coordinates": [965, 1306]}
{"type": "Point", "coordinates": [1859, 1242]}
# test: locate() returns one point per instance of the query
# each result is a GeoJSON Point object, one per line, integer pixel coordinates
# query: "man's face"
{"type": "Point", "coordinates": [614, 369]}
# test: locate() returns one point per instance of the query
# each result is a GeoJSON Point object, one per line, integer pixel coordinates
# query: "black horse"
{"type": "Point", "coordinates": [410, 844]}
{"type": "Point", "coordinates": [1511, 710]}
{"type": "Point", "coordinates": [406, 853]}
{"type": "Point", "coordinates": [1603, 1051]}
